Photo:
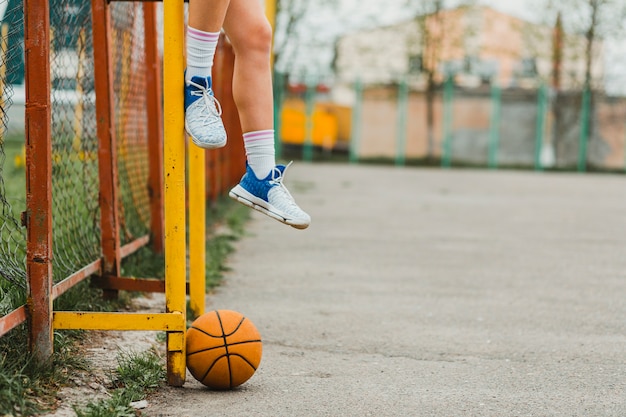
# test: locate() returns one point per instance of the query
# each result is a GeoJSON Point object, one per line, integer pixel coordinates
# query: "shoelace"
{"type": "Point", "coordinates": [277, 178]}
{"type": "Point", "coordinates": [209, 100]}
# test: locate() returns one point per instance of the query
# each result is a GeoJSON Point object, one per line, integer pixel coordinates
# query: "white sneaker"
{"type": "Point", "coordinates": [270, 197]}
{"type": "Point", "coordinates": [203, 114]}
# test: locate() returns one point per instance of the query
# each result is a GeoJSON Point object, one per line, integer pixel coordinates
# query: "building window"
{"type": "Point", "coordinates": [470, 64]}
{"type": "Point", "coordinates": [528, 67]}
{"type": "Point", "coordinates": [416, 64]}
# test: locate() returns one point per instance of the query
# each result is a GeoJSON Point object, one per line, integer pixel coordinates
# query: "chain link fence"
{"type": "Point", "coordinates": [75, 175]}
{"type": "Point", "coordinates": [12, 178]}
{"type": "Point", "coordinates": [128, 56]}
{"type": "Point", "coordinates": [74, 140]}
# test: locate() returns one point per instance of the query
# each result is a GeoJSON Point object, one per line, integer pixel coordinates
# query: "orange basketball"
{"type": "Point", "coordinates": [223, 349]}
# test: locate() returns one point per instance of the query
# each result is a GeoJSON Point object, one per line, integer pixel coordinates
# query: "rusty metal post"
{"type": "Point", "coordinates": [232, 158]}
{"type": "Point", "coordinates": [210, 162]}
{"type": "Point", "coordinates": [155, 126]}
{"type": "Point", "coordinates": [38, 216]}
{"type": "Point", "coordinates": [107, 144]}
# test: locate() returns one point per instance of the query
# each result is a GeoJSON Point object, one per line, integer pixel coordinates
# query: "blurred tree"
{"type": "Point", "coordinates": [289, 13]}
{"type": "Point", "coordinates": [434, 25]}
{"type": "Point", "coordinates": [290, 34]}
{"type": "Point", "coordinates": [596, 20]}
{"type": "Point", "coordinates": [431, 24]}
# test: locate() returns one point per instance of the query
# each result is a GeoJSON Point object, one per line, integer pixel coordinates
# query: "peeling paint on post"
{"type": "Point", "coordinates": [154, 96]}
{"type": "Point", "coordinates": [174, 195]}
{"type": "Point", "coordinates": [107, 144]}
{"type": "Point", "coordinates": [38, 176]}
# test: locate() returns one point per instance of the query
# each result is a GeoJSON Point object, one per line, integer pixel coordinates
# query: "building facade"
{"type": "Point", "coordinates": [473, 44]}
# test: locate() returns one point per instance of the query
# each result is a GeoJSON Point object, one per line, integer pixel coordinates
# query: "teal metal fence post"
{"type": "Point", "coordinates": [355, 131]}
{"type": "Point", "coordinates": [542, 105]}
{"type": "Point", "coordinates": [584, 130]}
{"type": "Point", "coordinates": [448, 93]}
{"type": "Point", "coordinates": [494, 128]}
{"type": "Point", "coordinates": [307, 148]}
{"type": "Point", "coordinates": [403, 104]}
{"type": "Point", "coordinates": [279, 96]}
{"type": "Point", "coordinates": [625, 144]}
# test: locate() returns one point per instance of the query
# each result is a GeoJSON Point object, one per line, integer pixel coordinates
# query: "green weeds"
{"type": "Point", "coordinates": [137, 375]}
{"type": "Point", "coordinates": [28, 387]}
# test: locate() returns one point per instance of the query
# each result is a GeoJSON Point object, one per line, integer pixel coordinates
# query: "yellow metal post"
{"type": "Point", "coordinates": [174, 171]}
{"type": "Point", "coordinates": [197, 230]}
{"type": "Point", "coordinates": [270, 12]}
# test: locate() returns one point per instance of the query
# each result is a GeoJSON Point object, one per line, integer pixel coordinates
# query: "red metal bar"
{"type": "Point", "coordinates": [63, 286]}
{"type": "Point", "coordinates": [231, 159]}
{"type": "Point", "coordinates": [107, 143]}
{"type": "Point", "coordinates": [38, 176]}
{"type": "Point", "coordinates": [12, 320]}
{"type": "Point", "coordinates": [144, 1]}
{"type": "Point", "coordinates": [132, 247]}
{"type": "Point", "coordinates": [210, 176]}
{"type": "Point", "coordinates": [155, 126]}
{"type": "Point", "coordinates": [130, 284]}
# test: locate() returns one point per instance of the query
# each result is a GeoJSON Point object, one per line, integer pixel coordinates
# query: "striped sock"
{"type": "Point", "coordinates": [260, 151]}
{"type": "Point", "coordinates": [200, 52]}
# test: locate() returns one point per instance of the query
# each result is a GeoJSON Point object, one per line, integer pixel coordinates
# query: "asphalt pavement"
{"type": "Point", "coordinates": [430, 292]}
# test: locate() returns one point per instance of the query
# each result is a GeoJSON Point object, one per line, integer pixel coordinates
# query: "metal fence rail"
{"type": "Point", "coordinates": [90, 188]}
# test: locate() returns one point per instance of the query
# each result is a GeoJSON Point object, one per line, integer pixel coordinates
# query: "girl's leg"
{"type": "Point", "coordinates": [202, 112]}
{"type": "Point", "coordinates": [261, 187]}
{"type": "Point", "coordinates": [207, 15]}
{"type": "Point", "coordinates": [251, 36]}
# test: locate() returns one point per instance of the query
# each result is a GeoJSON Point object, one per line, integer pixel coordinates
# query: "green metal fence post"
{"type": "Point", "coordinates": [307, 148]}
{"type": "Point", "coordinates": [403, 103]}
{"type": "Point", "coordinates": [584, 130]}
{"type": "Point", "coordinates": [448, 93]}
{"type": "Point", "coordinates": [494, 129]}
{"type": "Point", "coordinates": [357, 110]}
{"type": "Point", "coordinates": [625, 146]}
{"type": "Point", "coordinates": [279, 96]}
{"type": "Point", "coordinates": [542, 105]}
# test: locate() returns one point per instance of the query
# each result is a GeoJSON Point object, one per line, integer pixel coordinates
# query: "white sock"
{"type": "Point", "coordinates": [200, 52]}
{"type": "Point", "coordinates": [260, 152]}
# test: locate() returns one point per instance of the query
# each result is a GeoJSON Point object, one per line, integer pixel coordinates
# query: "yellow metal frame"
{"type": "Point", "coordinates": [197, 230]}
{"type": "Point", "coordinates": [118, 321]}
{"type": "Point", "coordinates": [174, 170]}
{"type": "Point", "coordinates": [174, 320]}
{"type": "Point", "coordinates": [270, 11]}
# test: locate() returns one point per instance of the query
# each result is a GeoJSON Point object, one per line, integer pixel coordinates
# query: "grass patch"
{"type": "Point", "coordinates": [136, 375]}
{"type": "Point", "coordinates": [226, 220]}
{"type": "Point", "coordinates": [14, 174]}
{"type": "Point", "coordinates": [145, 263]}
{"type": "Point", "coordinates": [28, 387]}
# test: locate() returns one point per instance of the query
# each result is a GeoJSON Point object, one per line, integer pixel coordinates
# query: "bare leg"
{"type": "Point", "coordinates": [207, 15]}
{"type": "Point", "coordinates": [250, 33]}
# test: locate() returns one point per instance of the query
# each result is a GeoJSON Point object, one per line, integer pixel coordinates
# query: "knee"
{"type": "Point", "coordinates": [257, 39]}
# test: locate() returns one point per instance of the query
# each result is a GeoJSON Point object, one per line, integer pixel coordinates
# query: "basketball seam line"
{"type": "Point", "coordinates": [223, 334]}
{"type": "Point", "coordinates": [230, 372]}
{"type": "Point", "coordinates": [222, 346]}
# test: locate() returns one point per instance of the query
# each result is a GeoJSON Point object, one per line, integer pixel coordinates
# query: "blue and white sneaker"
{"type": "Point", "coordinates": [270, 197]}
{"type": "Point", "coordinates": [203, 114]}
